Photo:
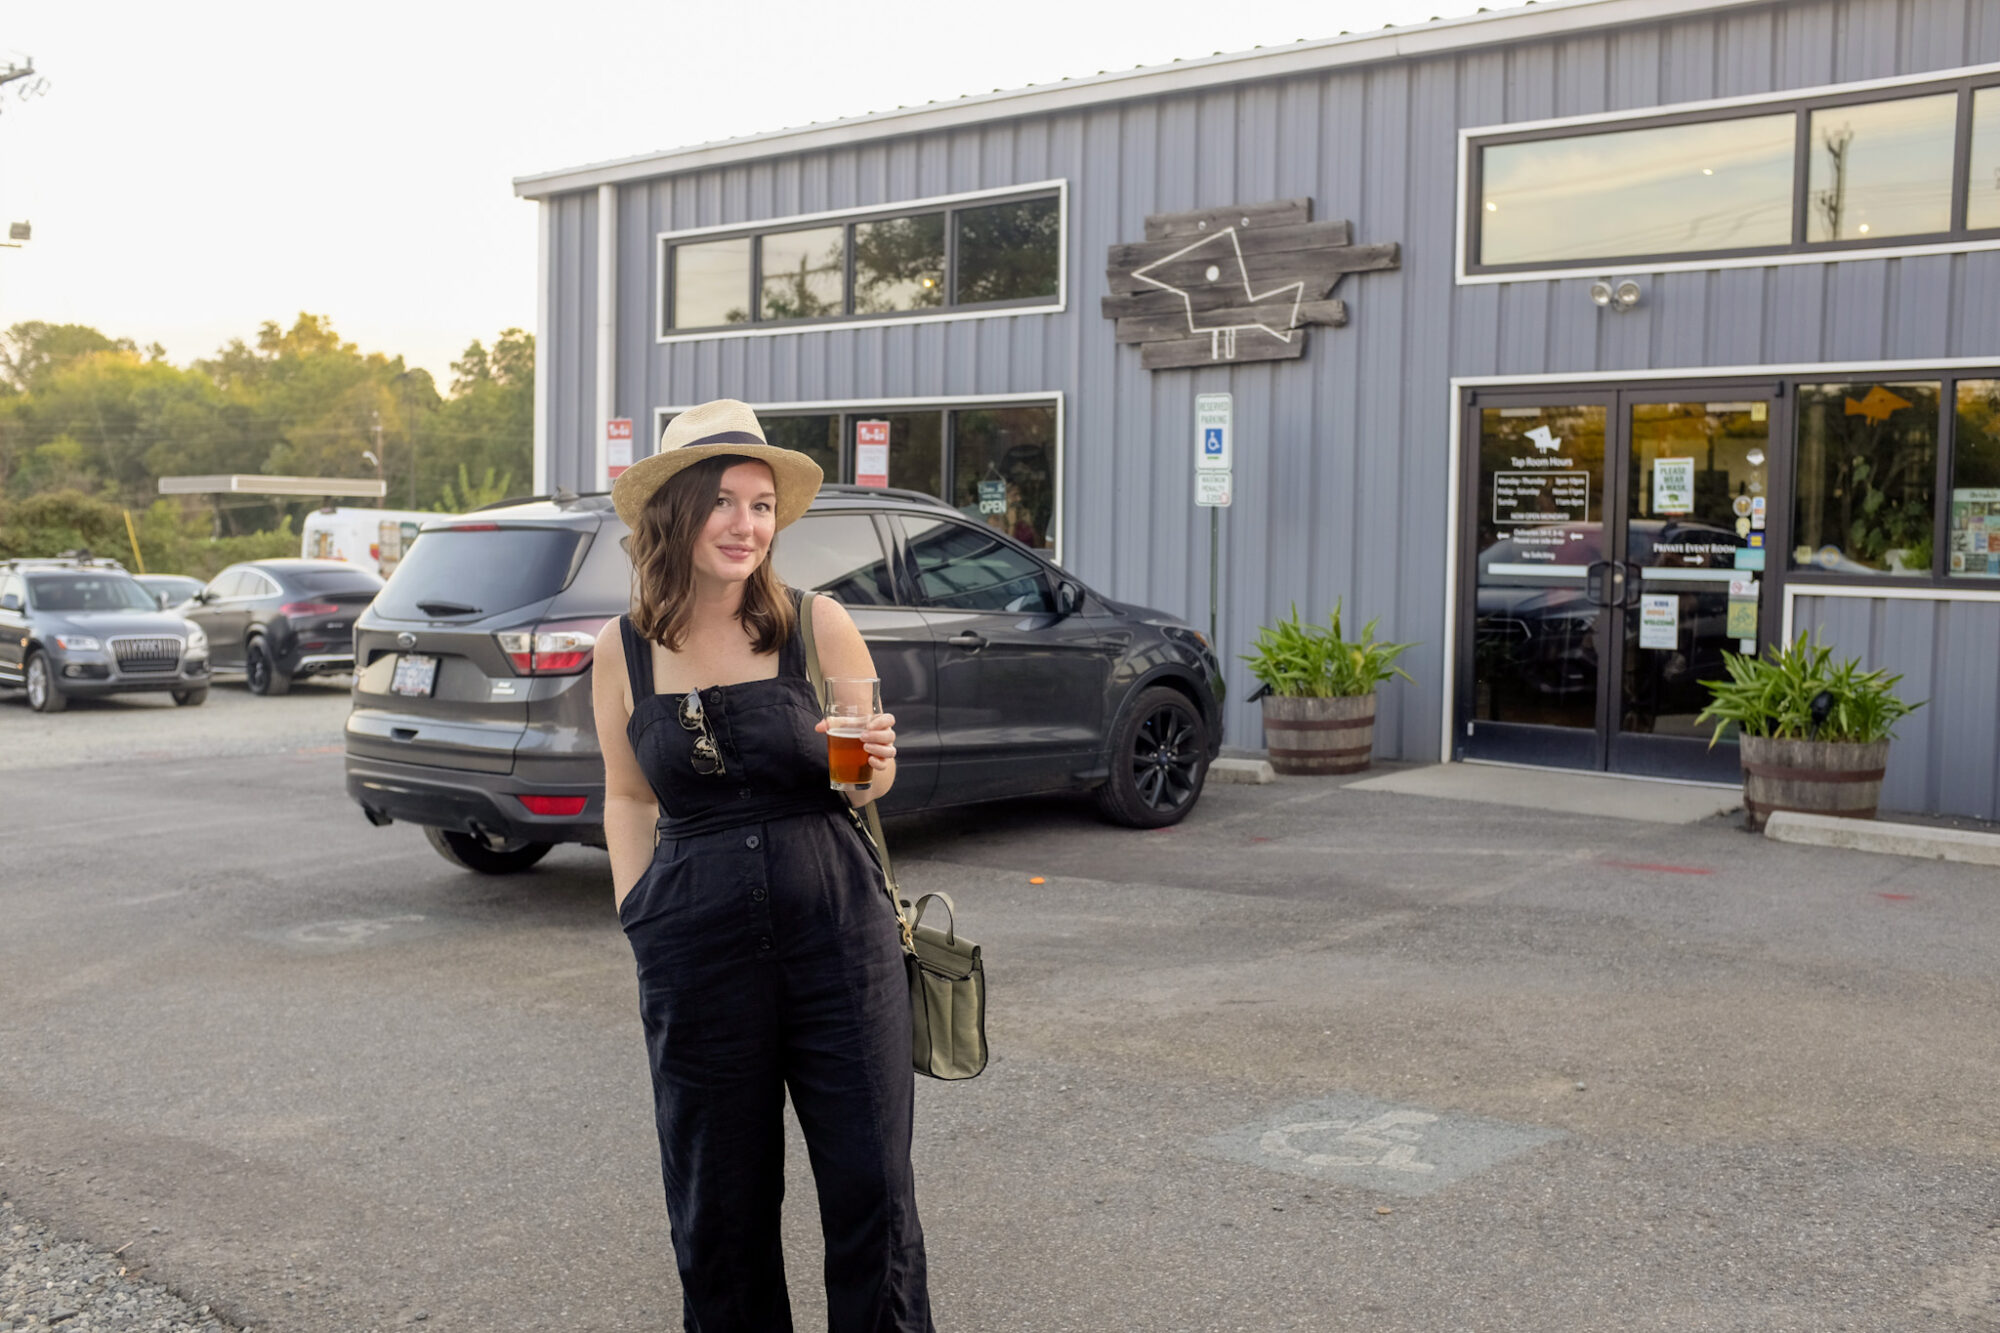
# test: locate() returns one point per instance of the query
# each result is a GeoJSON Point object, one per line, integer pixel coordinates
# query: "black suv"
{"type": "Point", "coordinates": [1007, 676]}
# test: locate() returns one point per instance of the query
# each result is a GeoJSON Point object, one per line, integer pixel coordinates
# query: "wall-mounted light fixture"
{"type": "Point", "coordinates": [1620, 297]}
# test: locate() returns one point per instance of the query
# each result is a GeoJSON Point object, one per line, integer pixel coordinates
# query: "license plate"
{"type": "Point", "coordinates": [416, 675]}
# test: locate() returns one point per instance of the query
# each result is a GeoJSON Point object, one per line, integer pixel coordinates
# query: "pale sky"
{"type": "Point", "coordinates": [195, 169]}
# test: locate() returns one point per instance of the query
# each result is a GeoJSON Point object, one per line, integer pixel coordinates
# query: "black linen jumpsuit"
{"type": "Point", "coordinates": [769, 961]}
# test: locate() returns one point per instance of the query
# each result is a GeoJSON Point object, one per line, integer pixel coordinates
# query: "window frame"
{"type": "Point", "coordinates": [1800, 104]}
{"type": "Point", "coordinates": [848, 218]}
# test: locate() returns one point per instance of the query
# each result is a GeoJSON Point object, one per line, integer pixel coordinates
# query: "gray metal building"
{"type": "Point", "coordinates": [1670, 280]}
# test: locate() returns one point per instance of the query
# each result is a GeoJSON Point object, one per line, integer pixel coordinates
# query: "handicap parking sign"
{"type": "Point", "coordinates": [1211, 442]}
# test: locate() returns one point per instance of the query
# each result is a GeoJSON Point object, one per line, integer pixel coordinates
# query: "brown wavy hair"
{"type": "Point", "coordinates": [662, 549]}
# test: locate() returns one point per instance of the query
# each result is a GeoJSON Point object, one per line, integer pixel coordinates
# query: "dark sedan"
{"type": "Point", "coordinates": [279, 620]}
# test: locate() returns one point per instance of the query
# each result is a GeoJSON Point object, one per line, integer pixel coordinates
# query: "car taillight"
{"type": "Point", "coordinates": [554, 805]}
{"type": "Point", "coordinates": [561, 648]}
{"type": "Point", "coordinates": [309, 609]}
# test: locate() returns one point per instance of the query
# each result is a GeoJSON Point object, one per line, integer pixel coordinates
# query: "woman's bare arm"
{"type": "Point", "coordinates": [630, 810]}
{"type": "Point", "coordinates": [843, 652]}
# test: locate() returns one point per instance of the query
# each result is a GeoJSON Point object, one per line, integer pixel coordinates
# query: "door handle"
{"type": "Point", "coordinates": [968, 640]}
{"type": "Point", "coordinates": [1635, 588]}
{"type": "Point", "coordinates": [1593, 582]}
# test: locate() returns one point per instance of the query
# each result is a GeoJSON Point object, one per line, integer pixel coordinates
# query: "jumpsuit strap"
{"type": "Point", "coordinates": [638, 661]}
{"type": "Point", "coordinates": [792, 657]}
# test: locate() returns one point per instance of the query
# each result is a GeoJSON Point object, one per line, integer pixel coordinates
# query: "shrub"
{"type": "Point", "coordinates": [1778, 694]}
{"type": "Point", "coordinates": [1296, 660]}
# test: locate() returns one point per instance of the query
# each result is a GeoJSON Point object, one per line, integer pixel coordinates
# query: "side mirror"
{"type": "Point", "coordinates": [163, 598]}
{"type": "Point", "coordinates": [1069, 597]}
{"type": "Point", "coordinates": [11, 602]}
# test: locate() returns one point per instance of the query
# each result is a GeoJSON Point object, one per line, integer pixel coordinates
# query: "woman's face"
{"type": "Point", "coordinates": [737, 536]}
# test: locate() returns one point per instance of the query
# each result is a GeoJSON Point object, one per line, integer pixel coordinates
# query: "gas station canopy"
{"type": "Point", "coordinates": [250, 483]}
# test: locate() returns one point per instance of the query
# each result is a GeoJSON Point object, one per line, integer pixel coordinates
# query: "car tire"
{"type": "Point", "coordinates": [190, 698]}
{"type": "Point", "coordinates": [44, 694]}
{"type": "Point", "coordinates": [260, 670]}
{"type": "Point", "coordinates": [475, 853]}
{"type": "Point", "coordinates": [1159, 760]}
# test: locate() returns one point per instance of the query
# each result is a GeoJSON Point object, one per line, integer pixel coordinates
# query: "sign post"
{"type": "Point", "coordinates": [617, 446]}
{"type": "Point", "coordinates": [1214, 479]}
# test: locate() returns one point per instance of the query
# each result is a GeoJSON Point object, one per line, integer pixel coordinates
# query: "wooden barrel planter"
{"type": "Point", "coordinates": [1319, 735]}
{"type": "Point", "coordinates": [1813, 777]}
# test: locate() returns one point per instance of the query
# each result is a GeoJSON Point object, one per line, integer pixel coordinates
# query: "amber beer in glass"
{"type": "Point", "coordinates": [852, 703]}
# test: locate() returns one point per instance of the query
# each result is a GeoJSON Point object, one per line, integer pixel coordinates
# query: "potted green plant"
{"type": "Point", "coordinates": [1813, 735]}
{"type": "Point", "coordinates": [1318, 690]}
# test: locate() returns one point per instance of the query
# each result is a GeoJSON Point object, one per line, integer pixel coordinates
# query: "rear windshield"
{"type": "Point", "coordinates": [337, 580]}
{"type": "Point", "coordinates": [462, 572]}
{"type": "Point", "coordinates": [93, 592]}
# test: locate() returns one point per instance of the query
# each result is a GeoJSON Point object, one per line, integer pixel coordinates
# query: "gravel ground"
{"type": "Point", "coordinates": [46, 1282]}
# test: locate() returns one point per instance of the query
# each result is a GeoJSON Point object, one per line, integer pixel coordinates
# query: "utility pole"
{"type": "Point", "coordinates": [1832, 203]}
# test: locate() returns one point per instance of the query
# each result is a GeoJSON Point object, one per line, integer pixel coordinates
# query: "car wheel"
{"type": "Point", "coordinates": [191, 698]}
{"type": "Point", "coordinates": [1159, 760]}
{"type": "Point", "coordinates": [44, 695]}
{"type": "Point", "coordinates": [505, 857]}
{"type": "Point", "coordinates": [260, 670]}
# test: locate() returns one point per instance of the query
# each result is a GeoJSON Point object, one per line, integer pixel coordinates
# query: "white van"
{"type": "Point", "coordinates": [374, 539]}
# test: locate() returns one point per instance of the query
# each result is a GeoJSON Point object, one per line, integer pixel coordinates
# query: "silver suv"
{"type": "Point", "coordinates": [72, 628]}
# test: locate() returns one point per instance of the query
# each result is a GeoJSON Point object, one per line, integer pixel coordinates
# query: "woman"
{"type": "Point", "coordinates": [768, 953]}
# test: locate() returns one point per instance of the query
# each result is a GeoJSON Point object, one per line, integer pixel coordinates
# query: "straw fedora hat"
{"type": "Point", "coordinates": [723, 426]}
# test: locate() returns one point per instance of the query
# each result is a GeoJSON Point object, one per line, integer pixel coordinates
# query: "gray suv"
{"type": "Point", "coordinates": [71, 628]}
{"type": "Point", "coordinates": [1008, 677]}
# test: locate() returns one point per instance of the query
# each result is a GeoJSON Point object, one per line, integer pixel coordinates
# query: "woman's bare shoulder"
{"type": "Point", "coordinates": [829, 614]}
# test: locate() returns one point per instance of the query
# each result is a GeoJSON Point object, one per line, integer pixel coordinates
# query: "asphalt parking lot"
{"type": "Point", "coordinates": [1315, 1059]}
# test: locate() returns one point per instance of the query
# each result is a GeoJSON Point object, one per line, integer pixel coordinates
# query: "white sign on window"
{"type": "Point", "coordinates": [1673, 485]}
{"type": "Point", "coordinates": [1660, 621]}
{"type": "Point", "coordinates": [871, 453]}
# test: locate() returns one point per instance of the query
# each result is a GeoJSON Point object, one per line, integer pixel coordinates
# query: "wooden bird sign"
{"type": "Point", "coordinates": [1225, 285]}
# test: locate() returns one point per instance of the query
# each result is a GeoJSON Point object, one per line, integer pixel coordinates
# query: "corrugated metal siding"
{"type": "Point", "coordinates": [1342, 457]}
{"type": "Point", "coordinates": [1945, 758]}
{"type": "Point", "coordinates": [573, 343]}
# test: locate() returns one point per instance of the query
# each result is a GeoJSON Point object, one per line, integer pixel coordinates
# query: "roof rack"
{"type": "Point", "coordinates": [884, 492]}
{"type": "Point", "coordinates": [562, 495]}
{"type": "Point", "coordinates": [66, 560]}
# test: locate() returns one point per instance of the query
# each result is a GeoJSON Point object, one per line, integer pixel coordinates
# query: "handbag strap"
{"type": "Point", "coordinates": [867, 819]}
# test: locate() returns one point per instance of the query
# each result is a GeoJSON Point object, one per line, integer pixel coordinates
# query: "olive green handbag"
{"type": "Point", "coordinates": [947, 976]}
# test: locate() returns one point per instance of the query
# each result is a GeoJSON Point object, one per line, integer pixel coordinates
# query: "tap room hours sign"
{"type": "Point", "coordinates": [1225, 285]}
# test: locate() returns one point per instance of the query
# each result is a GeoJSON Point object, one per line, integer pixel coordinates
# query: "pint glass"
{"type": "Point", "coordinates": [852, 703]}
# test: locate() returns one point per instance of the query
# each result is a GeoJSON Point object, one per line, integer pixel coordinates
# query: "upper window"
{"type": "Point", "coordinates": [1840, 170]}
{"type": "Point", "coordinates": [973, 254]}
{"type": "Point", "coordinates": [1881, 168]}
{"type": "Point", "coordinates": [1712, 185]}
{"type": "Point", "coordinates": [1982, 202]}
{"type": "Point", "coordinates": [712, 282]}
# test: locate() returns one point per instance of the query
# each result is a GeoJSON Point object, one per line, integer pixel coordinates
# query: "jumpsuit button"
{"type": "Point", "coordinates": [757, 895]}
{"type": "Point", "coordinates": [764, 943]}
{"type": "Point", "coordinates": [753, 842]}
{"type": "Point", "coordinates": [743, 793]}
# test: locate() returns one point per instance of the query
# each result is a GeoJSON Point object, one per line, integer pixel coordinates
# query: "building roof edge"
{"type": "Point", "coordinates": [1528, 22]}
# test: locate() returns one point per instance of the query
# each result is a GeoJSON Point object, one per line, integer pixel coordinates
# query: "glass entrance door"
{"type": "Point", "coordinates": [1616, 551]}
{"type": "Point", "coordinates": [1696, 501]}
